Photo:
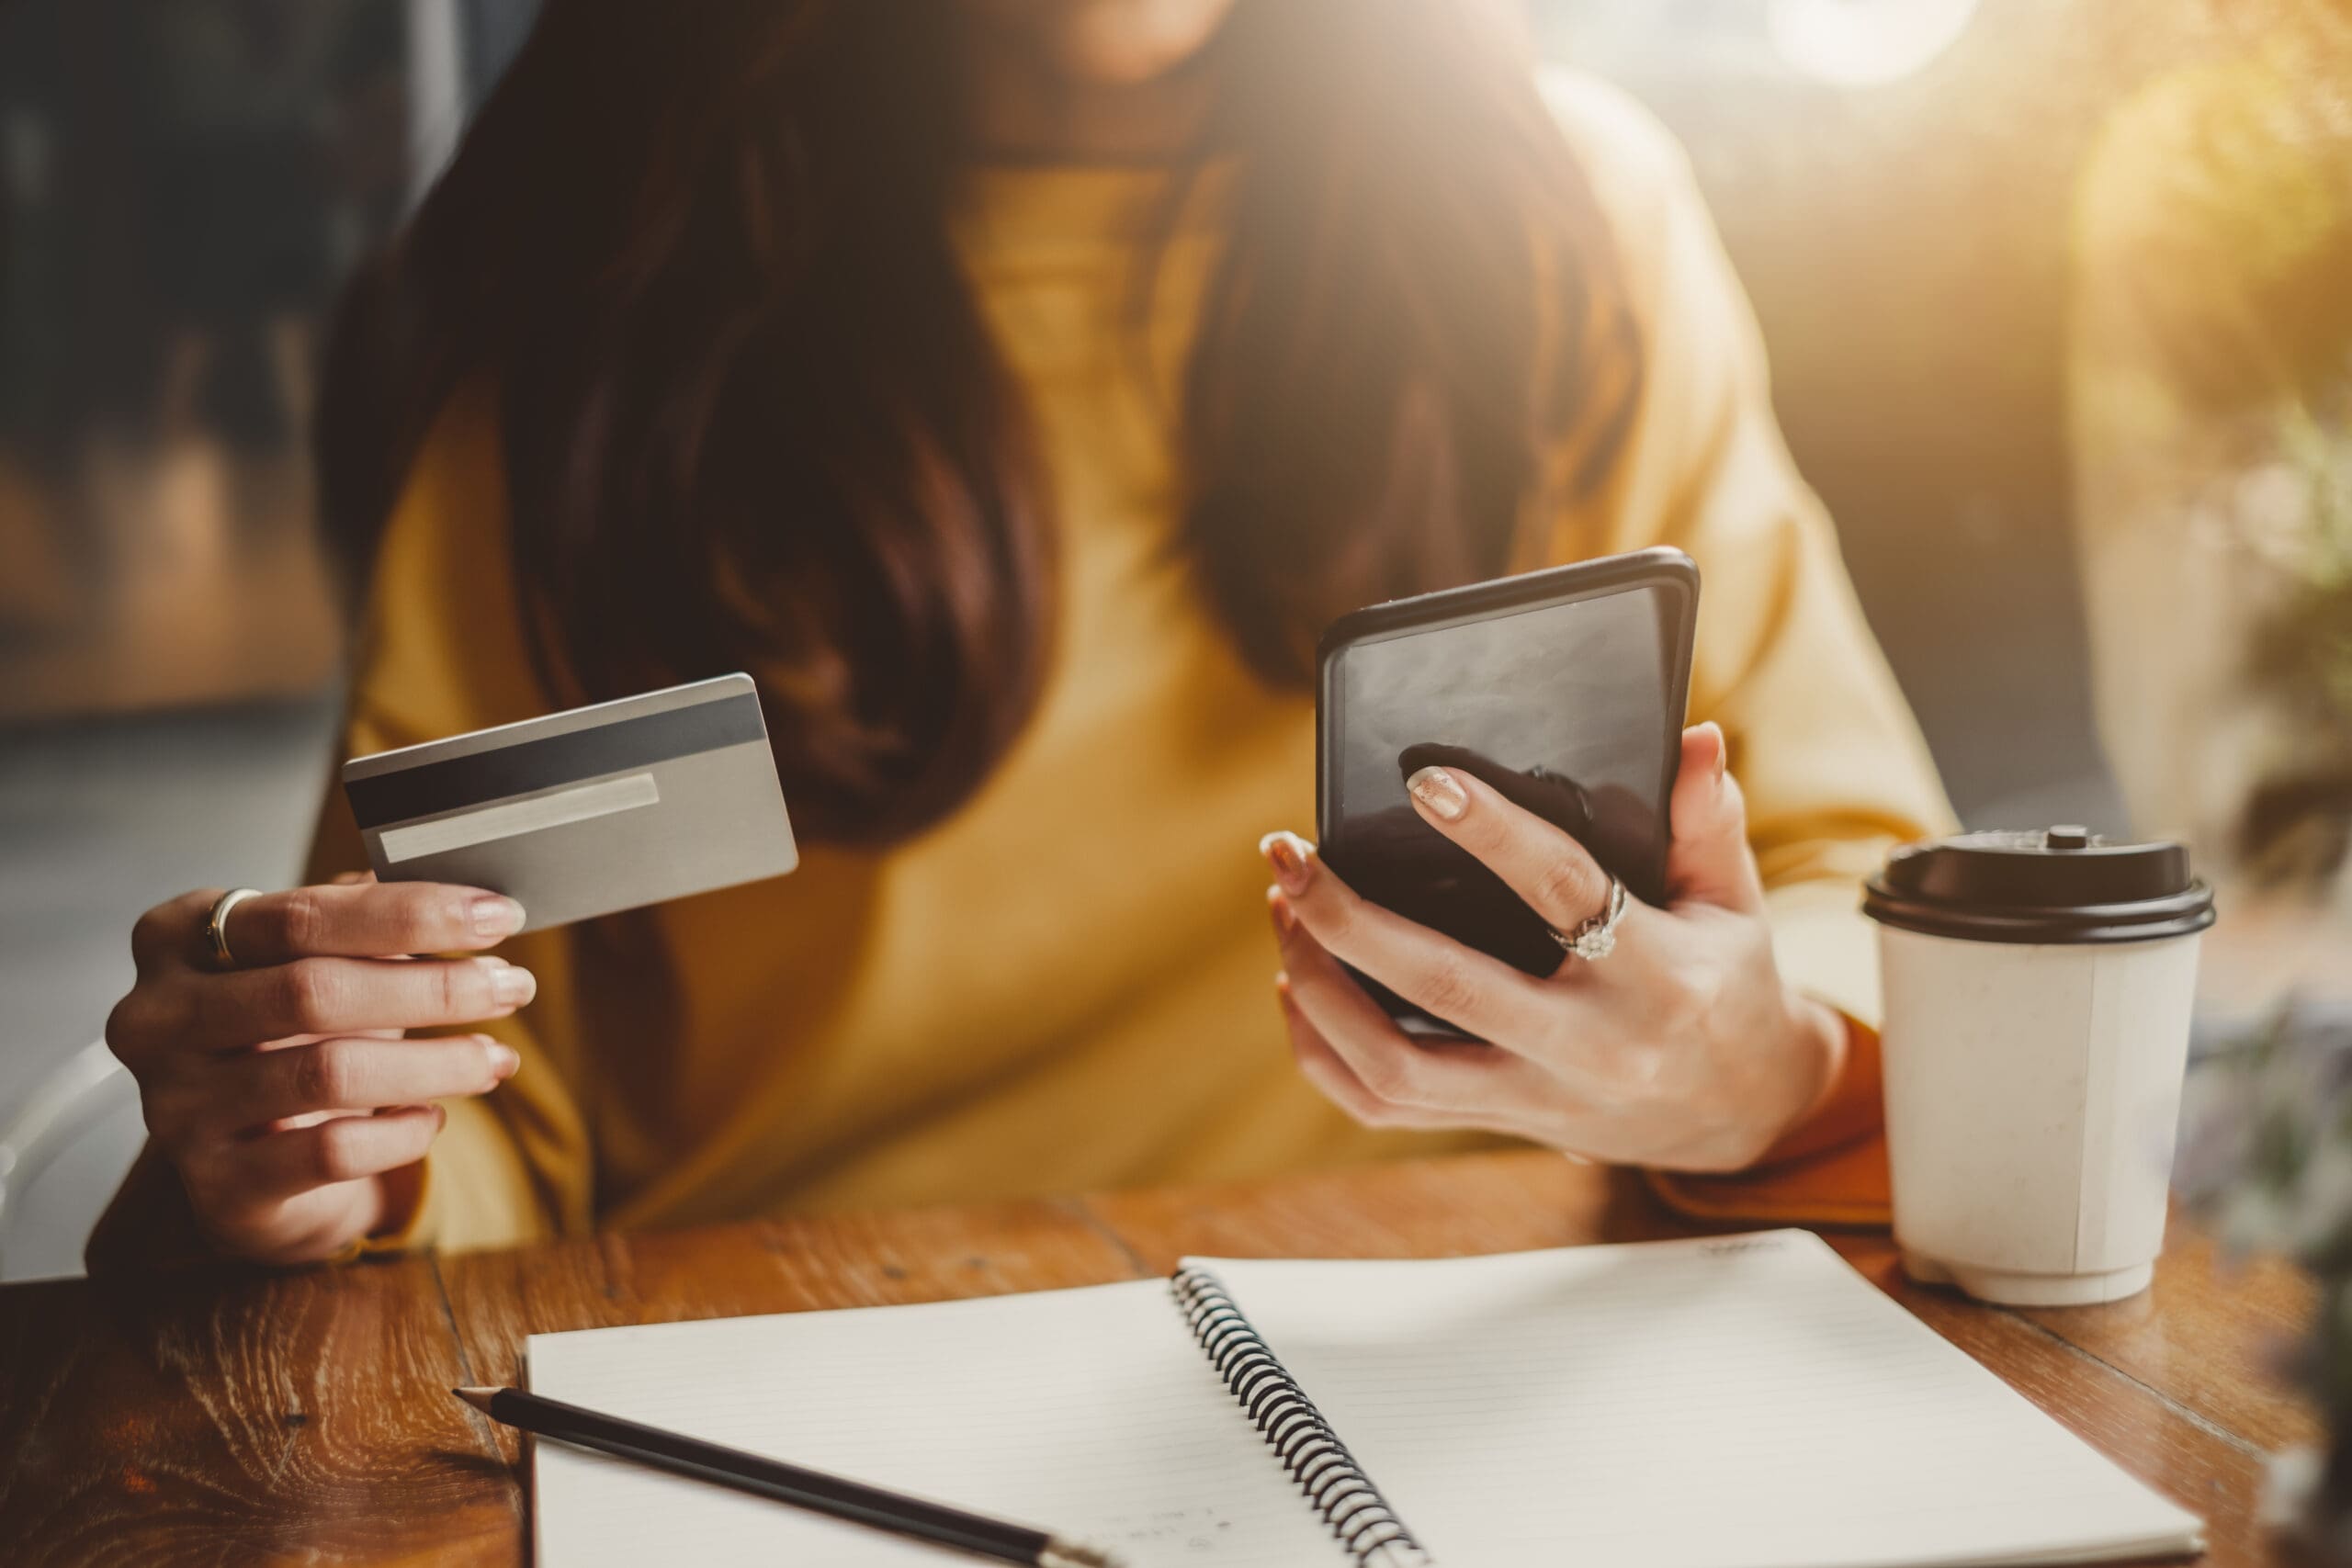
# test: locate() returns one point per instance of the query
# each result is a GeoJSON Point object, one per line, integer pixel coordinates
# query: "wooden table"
{"type": "Point", "coordinates": [234, 1418]}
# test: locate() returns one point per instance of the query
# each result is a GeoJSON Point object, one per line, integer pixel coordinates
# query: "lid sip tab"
{"type": "Point", "coordinates": [2061, 886]}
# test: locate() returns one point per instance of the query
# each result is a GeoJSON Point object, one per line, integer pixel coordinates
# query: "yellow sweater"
{"type": "Point", "coordinates": [1067, 984]}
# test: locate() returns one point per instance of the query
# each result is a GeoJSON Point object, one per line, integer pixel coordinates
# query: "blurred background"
{"type": "Point", "coordinates": [2058, 292]}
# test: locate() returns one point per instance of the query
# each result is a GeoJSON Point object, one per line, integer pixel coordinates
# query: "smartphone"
{"type": "Point", "coordinates": [1563, 689]}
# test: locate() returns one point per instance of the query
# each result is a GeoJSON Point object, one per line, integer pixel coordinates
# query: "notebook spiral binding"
{"type": "Point", "coordinates": [1334, 1484]}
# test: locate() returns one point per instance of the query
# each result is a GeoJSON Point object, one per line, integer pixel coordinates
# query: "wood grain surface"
{"type": "Point", "coordinates": [230, 1416]}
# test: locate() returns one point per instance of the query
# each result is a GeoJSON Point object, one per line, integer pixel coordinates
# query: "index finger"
{"type": "Point", "coordinates": [1542, 863]}
{"type": "Point", "coordinates": [386, 919]}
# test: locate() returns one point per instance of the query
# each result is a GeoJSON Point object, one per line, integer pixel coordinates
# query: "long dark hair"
{"type": "Point", "coordinates": [753, 418]}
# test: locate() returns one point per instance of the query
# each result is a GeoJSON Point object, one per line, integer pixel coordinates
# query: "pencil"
{"type": "Point", "coordinates": [813, 1490]}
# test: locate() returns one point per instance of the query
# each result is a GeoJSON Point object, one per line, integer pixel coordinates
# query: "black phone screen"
{"type": "Point", "coordinates": [1571, 708]}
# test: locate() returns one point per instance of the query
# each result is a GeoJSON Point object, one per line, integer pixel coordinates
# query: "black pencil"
{"type": "Point", "coordinates": [813, 1490]}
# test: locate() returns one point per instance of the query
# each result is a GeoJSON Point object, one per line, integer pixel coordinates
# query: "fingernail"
{"type": "Point", "coordinates": [1288, 854]}
{"type": "Point", "coordinates": [1441, 792]}
{"type": "Point", "coordinates": [494, 915]}
{"type": "Point", "coordinates": [513, 986]}
{"type": "Point", "coordinates": [503, 1060]}
{"type": "Point", "coordinates": [1282, 982]}
{"type": "Point", "coordinates": [1285, 918]}
{"type": "Point", "coordinates": [1723, 746]}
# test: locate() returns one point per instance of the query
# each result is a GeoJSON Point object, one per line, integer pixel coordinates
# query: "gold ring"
{"type": "Point", "coordinates": [216, 925]}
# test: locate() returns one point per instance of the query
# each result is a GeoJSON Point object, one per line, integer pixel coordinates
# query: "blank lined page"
{"type": "Point", "coordinates": [1088, 1413]}
{"type": "Point", "coordinates": [1745, 1403]}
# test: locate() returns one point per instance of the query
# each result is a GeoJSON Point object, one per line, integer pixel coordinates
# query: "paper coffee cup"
{"type": "Point", "coordinates": [2037, 988]}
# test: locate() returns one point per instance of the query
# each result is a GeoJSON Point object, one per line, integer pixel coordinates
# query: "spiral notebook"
{"type": "Point", "coordinates": [1748, 1402]}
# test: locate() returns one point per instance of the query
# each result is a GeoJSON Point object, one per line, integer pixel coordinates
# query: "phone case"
{"type": "Point", "coordinates": [1662, 569]}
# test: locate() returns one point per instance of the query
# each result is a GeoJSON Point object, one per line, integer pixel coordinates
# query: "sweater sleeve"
{"type": "Point", "coordinates": [1831, 762]}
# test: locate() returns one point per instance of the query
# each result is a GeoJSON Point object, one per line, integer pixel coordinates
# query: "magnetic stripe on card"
{"type": "Point", "coordinates": [553, 761]}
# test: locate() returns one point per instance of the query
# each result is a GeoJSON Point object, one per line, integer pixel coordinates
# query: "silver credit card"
{"type": "Point", "coordinates": [582, 813]}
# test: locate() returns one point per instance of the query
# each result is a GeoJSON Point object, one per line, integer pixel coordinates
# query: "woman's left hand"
{"type": "Point", "coordinates": [1683, 1049]}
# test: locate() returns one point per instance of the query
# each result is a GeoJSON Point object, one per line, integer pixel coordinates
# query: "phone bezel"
{"type": "Point", "coordinates": [1659, 567]}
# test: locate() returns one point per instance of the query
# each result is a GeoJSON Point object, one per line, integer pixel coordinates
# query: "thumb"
{"type": "Point", "coordinates": [1709, 861]}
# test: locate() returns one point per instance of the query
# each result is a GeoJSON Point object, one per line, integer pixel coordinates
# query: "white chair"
{"type": "Point", "coordinates": [72, 1099]}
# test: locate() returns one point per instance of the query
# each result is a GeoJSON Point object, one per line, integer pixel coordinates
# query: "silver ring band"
{"type": "Point", "coordinates": [216, 925]}
{"type": "Point", "coordinates": [1597, 937]}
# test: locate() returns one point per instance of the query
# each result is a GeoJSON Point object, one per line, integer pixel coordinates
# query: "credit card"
{"type": "Point", "coordinates": [604, 808]}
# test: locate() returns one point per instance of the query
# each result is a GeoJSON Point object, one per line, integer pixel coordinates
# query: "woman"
{"type": "Point", "coordinates": [1015, 387]}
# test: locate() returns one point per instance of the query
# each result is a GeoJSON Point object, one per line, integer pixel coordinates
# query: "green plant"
{"type": "Point", "coordinates": [2298, 824]}
{"type": "Point", "coordinates": [2266, 1160]}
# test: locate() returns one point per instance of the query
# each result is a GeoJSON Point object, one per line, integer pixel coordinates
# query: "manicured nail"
{"type": "Point", "coordinates": [494, 915]}
{"type": "Point", "coordinates": [503, 1060]}
{"type": "Point", "coordinates": [1285, 918]}
{"type": "Point", "coordinates": [513, 986]}
{"type": "Point", "coordinates": [1722, 750]}
{"type": "Point", "coordinates": [1288, 854]}
{"type": "Point", "coordinates": [1441, 792]}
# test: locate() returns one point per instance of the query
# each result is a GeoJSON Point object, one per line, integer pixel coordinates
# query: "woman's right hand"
{"type": "Point", "coordinates": [282, 1090]}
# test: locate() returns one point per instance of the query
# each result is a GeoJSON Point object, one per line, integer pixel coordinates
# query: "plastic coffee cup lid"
{"type": "Point", "coordinates": [2055, 885]}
